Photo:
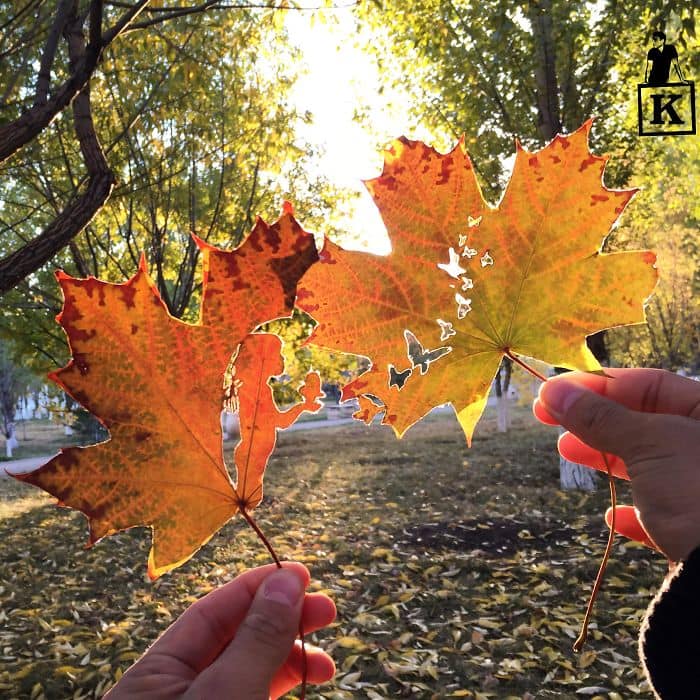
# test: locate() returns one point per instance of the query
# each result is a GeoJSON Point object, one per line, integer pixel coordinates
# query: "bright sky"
{"type": "Point", "coordinates": [340, 80]}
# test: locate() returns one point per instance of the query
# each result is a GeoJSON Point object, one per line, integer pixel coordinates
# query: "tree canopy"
{"type": "Point", "coordinates": [192, 118]}
{"type": "Point", "coordinates": [505, 69]}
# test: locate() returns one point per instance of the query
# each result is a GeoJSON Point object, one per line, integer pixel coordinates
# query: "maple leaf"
{"type": "Point", "coordinates": [156, 383]}
{"type": "Point", "coordinates": [258, 280]}
{"type": "Point", "coordinates": [466, 283]}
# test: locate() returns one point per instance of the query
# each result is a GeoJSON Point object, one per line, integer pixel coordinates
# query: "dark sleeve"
{"type": "Point", "coordinates": [669, 643]}
{"type": "Point", "coordinates": [650, 54]}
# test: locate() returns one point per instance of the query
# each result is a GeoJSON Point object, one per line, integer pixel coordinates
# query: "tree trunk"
{"type": "Point", "coordinates": [548, 111]}
{"type": "Point", "coordinates": [10, 440]}
{"type": "Point", "coordinates": [502, 384]}
{"type": "Point", "coordinates": [503, 414]}
{"type": "Point", "coordinates": [574, 476]}
{"type": "Point", "coordinates": [571, 475]}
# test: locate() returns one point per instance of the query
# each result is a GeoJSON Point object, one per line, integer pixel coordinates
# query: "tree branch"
{"type": "Point", "coordinates": [81, 210]}
{"type": "Point", "coordinates": [17, 133]}
{"type": "Point", "coordinates": [124, 23]}
{"type": "Point", "coordinates": [219, 5]}
{"type": "Point", "coordinates": [49, 54]}
{"type": "Point", "coordinates": [179, 12]}
{"type": "Point", "coordinates": [95, 41]}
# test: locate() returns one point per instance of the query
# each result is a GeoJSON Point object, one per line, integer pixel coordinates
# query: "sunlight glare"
{"type": "Point", "coordinates": [342, 82]}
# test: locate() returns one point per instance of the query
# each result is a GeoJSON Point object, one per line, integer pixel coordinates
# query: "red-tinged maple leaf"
{"type": "Point", "coordinates": [259, 278]}
{"type": "Point", "coordinates": [466, 283]}
{"type": "Point", "coordinates": [156, 384]}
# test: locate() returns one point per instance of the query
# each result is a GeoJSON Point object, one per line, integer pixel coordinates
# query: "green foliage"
{"type": "Point", "coordinates": [476, 68]}
{"type": "Point", "coordinates": [665, 216]}
{"type": "Point", "coordinates": [335, 367]}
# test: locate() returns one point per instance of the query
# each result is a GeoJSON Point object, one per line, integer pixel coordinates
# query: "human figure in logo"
{"type": "Point", "coordinates": [661, 57]}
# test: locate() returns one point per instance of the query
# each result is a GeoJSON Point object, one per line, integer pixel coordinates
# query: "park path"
{"type": "Point", "coordinates": [21, 466]}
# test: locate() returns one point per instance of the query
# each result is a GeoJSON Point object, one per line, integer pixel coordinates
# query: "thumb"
{"type": "Point", "coordinates": [599, 422]}
{"type": "Point", "coordinates": [263, 641]}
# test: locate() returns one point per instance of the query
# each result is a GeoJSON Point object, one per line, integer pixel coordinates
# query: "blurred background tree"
{"type": "Point", "coordinates": [665, 216]}
{"type": "Point", "coordinates": [15, 381]}
{"type": "Point", "coordinates": [527, 69]}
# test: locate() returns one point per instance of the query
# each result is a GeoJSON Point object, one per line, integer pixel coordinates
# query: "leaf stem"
{"type": "Point", "coordinates": [261, 535]}
{"type": "Point", "coordinates": [251, 521]}
{"type": "Point", "coordinates": [581, 639]}
{"type": "Point", "coordinates": [507, 352]}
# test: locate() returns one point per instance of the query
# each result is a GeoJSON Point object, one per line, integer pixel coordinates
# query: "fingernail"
{"type": "Point", "coordinates": [559, 395]}
{"type": "Point", "coordinates": [283, 587]}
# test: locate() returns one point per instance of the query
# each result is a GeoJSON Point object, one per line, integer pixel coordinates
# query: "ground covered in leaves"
{"type": "Point", "coordinates": [457, 572]}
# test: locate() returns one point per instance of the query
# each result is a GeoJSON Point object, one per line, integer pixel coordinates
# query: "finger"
{"type": "Point", "coordinates": [541, 413]}
{"type": "Point", "coordinates": [318, 611]}
{"type": "Point", "coordinates": [571, 448]}
{"type": "Point", "coordinates": [319, 669]}
{"type": "Point", "coordinates": [647, 390]}
{"type": "Point", "coordinates": [628, 524]}
{"type": "Point", "coordinates": [262, 643]}
{"type": "Point", "coordinates": [207, 627]}
{"type": "Point", "coordinates": [599, 422]}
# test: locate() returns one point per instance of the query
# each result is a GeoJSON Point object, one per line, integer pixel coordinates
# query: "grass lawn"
{"type": "Point", "coordinates": [457, 572]}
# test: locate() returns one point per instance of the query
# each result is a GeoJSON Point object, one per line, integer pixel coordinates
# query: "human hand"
{"type": "Point", "coordinates": [647, 421]}
{"type": "Point", "coordinates": [237, 642]}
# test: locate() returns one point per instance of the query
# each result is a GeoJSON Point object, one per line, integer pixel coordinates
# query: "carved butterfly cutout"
{"type": "Point", "coordinates": [453, 268]}
{"type": "Point", "coordinates": [446, 329]}
{"type": "Point", "coordinates": [398, 379]}
{"type": "Point", "coordinates": [419, 356]}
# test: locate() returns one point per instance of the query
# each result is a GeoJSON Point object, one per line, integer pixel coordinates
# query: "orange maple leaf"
{"type": "Point", "coordinates": [466, 283]}
{"type": "Point", "coordinates": [156, 383]}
